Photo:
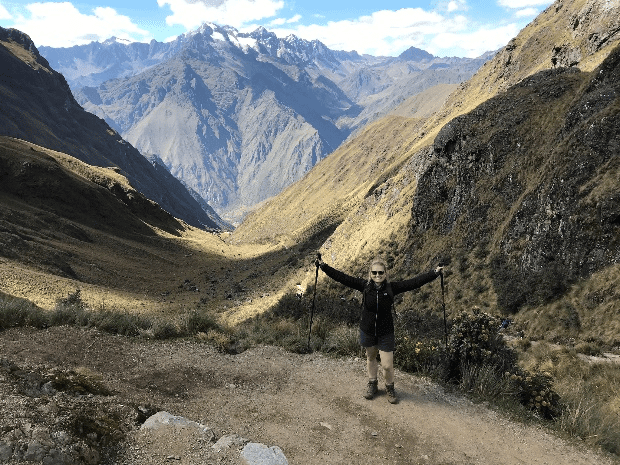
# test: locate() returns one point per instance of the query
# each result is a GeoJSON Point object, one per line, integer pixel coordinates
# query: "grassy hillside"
{"type": "Point", "coordinates": [365, 189]}
{"type": "Point", "coordinates": [66, 225]}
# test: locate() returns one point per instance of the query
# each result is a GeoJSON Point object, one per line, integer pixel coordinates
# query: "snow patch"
{"type": "Point", "coordinates": [218, 36]}
{"type": "Point", "coordinates": [247, 42]}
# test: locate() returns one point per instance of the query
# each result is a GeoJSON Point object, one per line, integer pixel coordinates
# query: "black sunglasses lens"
{"type": "Point", "coordinates": [375, 273]}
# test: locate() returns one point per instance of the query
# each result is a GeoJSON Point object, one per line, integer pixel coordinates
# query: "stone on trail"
{"type": "Point", "coordinates": [231, 440]}
{"type": "Point", "coordinates": [260, 454]}
{"type": "Point", "coordinates": [165, 420]}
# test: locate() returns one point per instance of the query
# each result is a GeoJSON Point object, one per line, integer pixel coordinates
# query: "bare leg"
{"type": "Point", "coordinates": [387, 363]}
{"type": "Point", "coordinates": [371, 361]}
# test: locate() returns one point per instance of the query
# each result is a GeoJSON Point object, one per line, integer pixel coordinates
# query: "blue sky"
{"type": "Point", "coordinates": [465, 28]}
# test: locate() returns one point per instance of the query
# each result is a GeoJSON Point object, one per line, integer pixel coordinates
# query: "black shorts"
{"type": "Point", "coordinates": [385, 343]}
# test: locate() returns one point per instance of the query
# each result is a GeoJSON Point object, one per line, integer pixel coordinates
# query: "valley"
{"type": "Point", "coordinates": [122, 279]}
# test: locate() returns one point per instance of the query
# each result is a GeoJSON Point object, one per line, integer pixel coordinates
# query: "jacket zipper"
{"type": "Point", "coordinates": [377, 313]}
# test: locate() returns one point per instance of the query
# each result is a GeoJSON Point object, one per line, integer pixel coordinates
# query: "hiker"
{"type": "Point", "coordinates": [377, 324]}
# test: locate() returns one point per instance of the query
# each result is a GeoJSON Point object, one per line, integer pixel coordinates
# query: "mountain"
{"type": "Point", "coordinates": [37, 106]}
{"type": "Point", "coordinates": [92, 64]}
{"type": "Point", "coordinates": [415, 54]}
{"type": "Point", "coordinates": [513, 184]}
{"type": "Point", "coordinates": [51, 202]}
{"type": "Point", "coordinates": [240, 116]}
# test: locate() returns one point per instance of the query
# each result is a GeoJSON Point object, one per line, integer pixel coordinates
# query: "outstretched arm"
{"type": "Point", "coordinates": [418, 281]}
{"type": "Point", "coordinates": [341, 277]}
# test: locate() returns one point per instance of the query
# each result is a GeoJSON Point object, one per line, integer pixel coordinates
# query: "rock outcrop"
{"type": "Point", "coordinates": [530, 178]}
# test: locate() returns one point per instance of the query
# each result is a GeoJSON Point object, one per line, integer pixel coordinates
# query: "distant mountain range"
{"type": "Point", "coordinates": [237, 117]}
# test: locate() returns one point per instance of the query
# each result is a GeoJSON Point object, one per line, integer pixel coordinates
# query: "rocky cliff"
{"type": "Point", "coordinates": [529, 179]}
{"type": "Point", "coordinates": [38, 106]}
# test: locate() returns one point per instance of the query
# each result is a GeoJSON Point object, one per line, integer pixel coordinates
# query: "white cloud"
{"type": "Point", "coordinates": [4, 13]}
{"type": "Point", "coordinates": [456, 5]}
{"type": "Point", "coordinates": [472, 44]}
{"type": "Point", "coordinates": [192, 13]}
{"type": "Point", "coordinates": [382, 33]}
{"type": "Point", "coordinates": [388, 33]}
{"type": "Point", "coordinates": [518, 4]}
{"type": "Point", "coordinates": [283, 21]}
{"type": "Point", "coordinates": [526, 12]}
{"type": "Point", "coordinates": [62, 25]}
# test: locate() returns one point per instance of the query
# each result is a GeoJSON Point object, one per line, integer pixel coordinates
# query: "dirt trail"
{"type": "Point", "coordinates": [308, 405]}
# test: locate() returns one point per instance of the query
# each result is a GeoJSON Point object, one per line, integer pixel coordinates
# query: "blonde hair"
{"type": "Point", "coordinates": [377, 261]}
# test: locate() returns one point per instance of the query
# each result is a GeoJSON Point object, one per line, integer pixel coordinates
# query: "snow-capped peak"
{"type": "Point", "coordinates": [117, 40]}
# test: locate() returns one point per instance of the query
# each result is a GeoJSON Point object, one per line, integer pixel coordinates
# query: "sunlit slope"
{"type": "Point", "coordinates": [337, 186]}
{"type": "Point", "coordinates": [67, 225]}
{"type": "Point", "coordinates": [327, 194]}
{"type": "Point", "coordinates": [321, 200]}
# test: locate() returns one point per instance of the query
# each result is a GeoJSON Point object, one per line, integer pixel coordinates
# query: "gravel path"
{"type": "Point", "coordinates": [308, 405]}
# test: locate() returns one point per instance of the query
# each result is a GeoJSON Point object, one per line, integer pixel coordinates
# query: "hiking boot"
{"type": "Point", "coordinates": [391, 393]}
{"type": "Point", "coordinates": [371, 389]}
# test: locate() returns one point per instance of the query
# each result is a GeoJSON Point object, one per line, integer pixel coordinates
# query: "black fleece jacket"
{"type": "Point", "coordinates": [377, 311]}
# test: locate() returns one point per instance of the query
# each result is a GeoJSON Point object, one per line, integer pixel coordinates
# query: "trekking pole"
{"type": "Point", "coordinates": [316, 277]}
{"type": "Point", "coordinates": [443, 304]}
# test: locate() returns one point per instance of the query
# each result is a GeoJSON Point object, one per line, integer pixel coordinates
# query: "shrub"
{"type": "Point", "coordinates": [486, 382]}
{"type": "Point", "coordinates": [119, 322]}
{"type": "Point", "coordinates": [20, 312]}
{"type": "Point", "coordinates": [415, 356]}
{"type": "Point", "coordinates": [343, 340]}
{"type": "Point", "coordinates": [70, 311]}
{"type": "Point", "coordinates": [589, 348]}
{"type": "Point", "coordinates": [474, 339]}
{"type": "Point", "coordinates": [535, 391]}
{"type": "Point", "coordinates": [221, 340]}
{"type": "Point", "coordinates": [478, 360]}
{"type": "Point", "coordinates": [164, 329]}
{"type": "Point", "coordinates": [199, 322]}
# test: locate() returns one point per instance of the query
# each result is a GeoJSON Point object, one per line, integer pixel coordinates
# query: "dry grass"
{"type": "Point", "coordinates": [590, 393]}
{"type": "Point", "coordinates": [588, 312]}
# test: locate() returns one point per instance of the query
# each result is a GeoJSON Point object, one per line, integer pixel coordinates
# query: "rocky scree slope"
{"type": "Point", "coordinates": [239, 116]}
{"type": "Point", "coordinates": [38, 106]}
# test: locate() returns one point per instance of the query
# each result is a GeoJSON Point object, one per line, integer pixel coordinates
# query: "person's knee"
{"type": "Point", "coordinates": [387, 360]}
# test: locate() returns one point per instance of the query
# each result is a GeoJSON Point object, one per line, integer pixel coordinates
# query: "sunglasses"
{"type": "Point", "coordinates": [375, 273]}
